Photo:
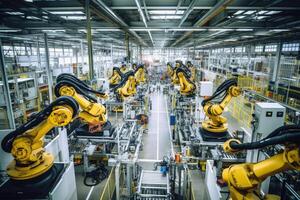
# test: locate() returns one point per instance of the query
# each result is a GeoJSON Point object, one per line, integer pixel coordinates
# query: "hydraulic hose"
{"type": "Point", "coordinates": [221, 89]}
{"type": "Point", "coordinates": [284, 134]}
{"type": "Point", "coordinates": [7, 141]}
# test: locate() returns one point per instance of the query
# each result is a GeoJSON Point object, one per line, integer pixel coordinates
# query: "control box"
{"type": "Point", "coordinates": [268, 116]}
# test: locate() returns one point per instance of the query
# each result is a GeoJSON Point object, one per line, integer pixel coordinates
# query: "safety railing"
{"type": "Point", "coordinates": [241, 109]}
{"type": "Point", "coordinates": [110, 186]}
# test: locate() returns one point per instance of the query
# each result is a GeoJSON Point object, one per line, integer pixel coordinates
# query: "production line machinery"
{"type": "Point", "coordinates": [215, 127]}
{"type": "Point", "coordinates": [32, 172]}
{"type": "Point", "coordinates": [244, 179]}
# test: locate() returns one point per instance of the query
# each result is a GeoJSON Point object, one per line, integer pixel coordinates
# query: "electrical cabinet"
{"type": "Point", "coordinates": [268, 116]}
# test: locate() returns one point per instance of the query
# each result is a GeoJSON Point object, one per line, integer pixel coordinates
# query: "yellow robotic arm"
{"type": "Point", "coordinates": [217, 123]}
{"type": "Point", "coordinates": [26, 142]}
{"type": "Point", "coordinates": [170, 70]}
{"type": "Point", "coordinates": [127, 87]}
{"type": "Point", "coordinates": [140, 74]}
{"type": "Point", "coordinates": [116, 77]}
{"type": "Point", "coordinates": [244, 179]}
{"type": "Point", "coordinates": [91, 112]}
{"type": "Point", "coordinates": [187, 87]}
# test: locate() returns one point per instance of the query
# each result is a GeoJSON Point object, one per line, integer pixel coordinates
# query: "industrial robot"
{"type": "Point", "coordinates": [32, 172]}
{"type": "Point", "coordinates": [123, 68]}
{"type": "Point", "coordinates": [187, 86]}
{"type": "Point", "coordinates": [170, 70]}
{"type": "Point", "coordinates": [174, 78]}
{"type": "Point", "coordinates": [192, 69]}
{"type": "Point", "coordinates": [215, 127]}
{"type": "Point", "coordinates": [127, 87]}
{"type": "Point", "coordinates": [244, 179]}
{"type": "Point", "coordinates": [115, 78]}
{"type": "Point", "coordinates": [92, 113]}
{"type": "Point", "coordinates": [140, 74]}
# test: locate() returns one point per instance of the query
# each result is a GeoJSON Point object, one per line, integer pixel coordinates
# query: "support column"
{"type": "Point", "coordinates": [89, 39]}
{"type": "Point", "coordinates": [277, 64]}
{"type": "Point", "coordinates": [48, 70]}
{"type": "Point", "coordinates": [10, 113]}
{"type": "Point", "coordinates": [111, 54]}
{"type": "Point", "coordinates": [38, 54]}
{"type": "Point", "coordinates": [127, 47]}
{"type": "Point", "coordinates": [141, 54]}
{"type": "Point", "coordinates": [82, 56]}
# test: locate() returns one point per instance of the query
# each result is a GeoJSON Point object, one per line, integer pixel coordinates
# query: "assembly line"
{"type": "Point", "coordinates": [149, 100]}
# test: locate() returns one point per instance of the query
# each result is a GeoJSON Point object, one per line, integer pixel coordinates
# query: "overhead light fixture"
{"type": "Point", "coordinates": [279, 30]}
{"type": "Point", "coordinates": [247, 36]}
{"type": "Point", "coordinates": [14, 13]}
{"type": "Point", "coordinates": [240, 17]}
{"type": "Point", "coordinates": [220, 29]}
{"type": "Point", "coordinates": [66, 12]}
{"type": "Point", "coordinates": [261, 17]}
{"type": "Point", "coordinates": [249, 12]}
{"type": "Point", "coordinates": [166, 17]}
{"type": "Point", "coordinates": [244, 29]}
{"type": "Point", "coordinates": [238, 12]}
{"type": "Point", "coordinates": [262, 12]}
{"type": "Point", "coordinates": [74, 17]}
{"type": "Point", "coordinates": [273, 12]}
{"type": "Point", "coordinates": [54, 31]}
{"type": "Point", "coordinates": [231, 40]}
{"type": "Point", "coordinates": [165, 12]}
{"type": "Point", "coordinates": [9, 30]}
{"type": "Point", "coordinates": [262, 33]}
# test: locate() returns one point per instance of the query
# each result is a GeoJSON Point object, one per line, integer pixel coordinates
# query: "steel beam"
{"type": "Point", "coordinates": [117, 19]}
{"type": "Point", "coordinates": [89, 39]}
{"type": "Point", "coordinates": [187, 12]}
{"type": "Point", "coordinates": [206, 8]}
{"type": "Point", "coordinates": [217, 9]}
{"type": "Point", "coordinates": [48, 70]}
{"type": "Point", "coordinates": [144, 19]}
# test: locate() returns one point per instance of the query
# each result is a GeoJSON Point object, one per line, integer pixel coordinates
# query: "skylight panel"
{"type": "Point", "coordinates": [166, 17]}
{"type": "Point", "coordinates": [74, 17]}
{"type": "Point", "coordinates": [67, 12]}
{"type": "Point", "coordinates": [273, 12]}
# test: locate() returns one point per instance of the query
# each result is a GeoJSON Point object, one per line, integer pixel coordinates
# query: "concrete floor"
{"type": "Point", "coordinates": [157, 142]}
{"type": "Point", "coordinates": [85, 192]}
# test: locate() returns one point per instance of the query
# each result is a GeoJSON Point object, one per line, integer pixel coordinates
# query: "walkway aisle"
{"type": "Point", "coordinates": [157, 142]}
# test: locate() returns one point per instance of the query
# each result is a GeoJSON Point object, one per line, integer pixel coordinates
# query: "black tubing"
{"type": "Point", "coordinates": [284, 134]}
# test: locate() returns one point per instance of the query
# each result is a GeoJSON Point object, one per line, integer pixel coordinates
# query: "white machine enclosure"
{"type": "Point", "coordinates": [268, 116]}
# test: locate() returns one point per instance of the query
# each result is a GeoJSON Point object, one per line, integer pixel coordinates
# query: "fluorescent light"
{"type": "Point", "coordinates": [74, 17]}
{"type": "Point", "coordinates": [231, 40]}
{"type": "Point", "coordinates": [261, 17]}
{"type": "Point", "coordinates": [220, 29]}
{"type": "Point", "coordinates": [262, 12]}
{"type": "Point", "coordinates": [9, 30]}
{"type": "Point", "coordinates": [262, 33]}
{"type": "Point", "coordinates": [238, 12]}
{"type": "Point", "coordinates": [279, 30]}
{"type": "Point", "coordinates": [240, 17]}
{"type": "Point", "coordinates": [32, 17]}
{"type": "Point", "coordinates": [166, 16]}
{"type": "Point", "coordinates": [273, 12]}
{"type": "Point", "coordinates": [244, 29]}
{"type": "Point", "coordinates": [165, 12]}
{"type": "Point", "coordinates": [247, 36]}
{"type": "Point", "coordinates": [249, 12]}
{"type": "Point", "coordinates": [54, 31]}
{"type": "Point", "coordinates": [66, 12]}
{"type": "Point", "coordinates": [14, 13]}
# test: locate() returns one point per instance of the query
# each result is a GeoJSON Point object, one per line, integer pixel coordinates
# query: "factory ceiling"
{"type": "Point", "coordinates": [153, 23]}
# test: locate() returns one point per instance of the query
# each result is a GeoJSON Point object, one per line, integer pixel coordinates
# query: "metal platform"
{"type": "Point", "coordinates": [153, 185]}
